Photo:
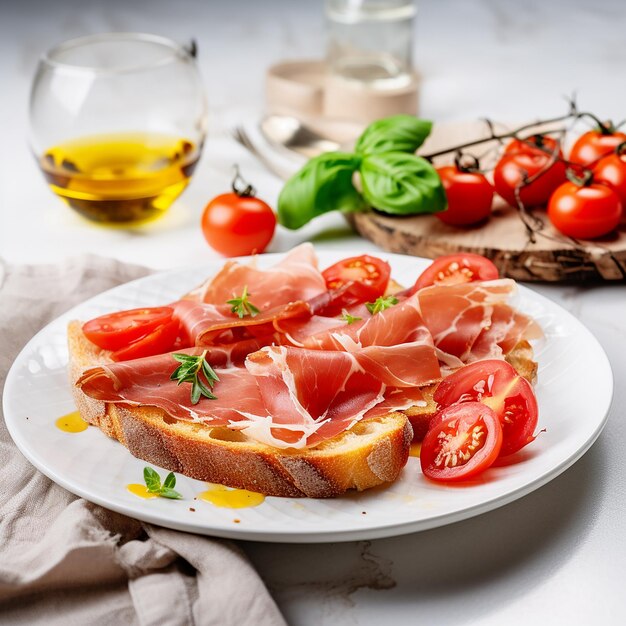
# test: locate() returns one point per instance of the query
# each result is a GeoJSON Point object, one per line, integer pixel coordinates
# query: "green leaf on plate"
{"type": "Point", "coordinates": [152, 480]}
{"type": "Point", "coordinates": [170, 481]}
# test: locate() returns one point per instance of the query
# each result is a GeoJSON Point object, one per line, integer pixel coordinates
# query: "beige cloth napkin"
{"type": "Point", "coordinates": [66, 561]}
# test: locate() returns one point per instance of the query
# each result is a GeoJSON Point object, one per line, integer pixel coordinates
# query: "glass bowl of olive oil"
{"type": "Point", "coordinates": [117, 123]}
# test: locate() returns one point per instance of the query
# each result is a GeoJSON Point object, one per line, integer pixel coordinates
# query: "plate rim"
{"type": "Point", "coordinates": [380, 530]}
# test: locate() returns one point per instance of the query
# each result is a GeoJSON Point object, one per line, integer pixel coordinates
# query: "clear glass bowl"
{"type": "Point", "coordinates": [117, 124]}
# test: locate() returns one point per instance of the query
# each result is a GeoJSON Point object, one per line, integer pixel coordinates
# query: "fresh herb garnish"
{"type": "Point", "coordinates": [393, 179]}
{"type": "Point", "coordinates": [242, 306]}
{"type": "Point", "coordinates": [380, 304]}
{"type": "Point", "coordinates": [350, 319]}
{"type": "Point", "coordinates": [189, 372]}
{"type": "Point", "coordinates": [153, 483]}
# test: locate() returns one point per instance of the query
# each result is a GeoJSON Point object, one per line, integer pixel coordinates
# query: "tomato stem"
{"type": "Point", "coordinates": [242, 187]}
{"type": "Point", "coordinates": [605, 128]}
{"type": "Point", "coordinates": [621, 149]}
{"type": "Point", "coordinates": [572, 113]}
{"type": "Point", "coordinates": [584, 180]}
{"type": "Point", "coordinates": [461, 161]}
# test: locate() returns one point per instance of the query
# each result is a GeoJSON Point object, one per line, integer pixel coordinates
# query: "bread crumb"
{"type": "Point", "coordinates": [192, 509]}
{"type": "Point", "coordinates": [236, 521]}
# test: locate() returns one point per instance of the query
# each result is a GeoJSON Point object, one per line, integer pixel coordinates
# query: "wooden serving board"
{"type": "Point", "coordinates": [505, 240]}
{"type": "Point", "coordinates": [543, 255]}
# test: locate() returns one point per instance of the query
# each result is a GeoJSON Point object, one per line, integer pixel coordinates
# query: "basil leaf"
{"type": "Point", "coordinates": [323, 184]}
{"type": "Point", "coordinates": [152, 479]}
{"type": "Point", "coordinates": [170, 481]}
{"type": "Point", "coordinates": [402, 184]}
{"type": "Point", "coordinates": [398, 133]}
{"type": "Point", "coordinates": [166, 492]}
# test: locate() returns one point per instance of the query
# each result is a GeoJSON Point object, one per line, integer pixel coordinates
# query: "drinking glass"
{"type": "Point", "coordinates": [371, 41]}
{"type": "Point", "coordinates": [117, 124]}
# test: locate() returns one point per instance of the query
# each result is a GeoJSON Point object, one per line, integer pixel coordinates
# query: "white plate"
{"type": "Point", "coordinates": [97, 468]}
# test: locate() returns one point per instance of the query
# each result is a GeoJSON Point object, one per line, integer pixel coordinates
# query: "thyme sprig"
{"type": "Point", "coordinates": [380, 304]}
{"type": "Point", "coordinates": [189, 372]}
{"type": "Point", "coordinates": [242, 306]}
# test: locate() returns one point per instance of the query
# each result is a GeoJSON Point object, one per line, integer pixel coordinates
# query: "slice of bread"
{"type": "Point", "coordinates": [371, 453]}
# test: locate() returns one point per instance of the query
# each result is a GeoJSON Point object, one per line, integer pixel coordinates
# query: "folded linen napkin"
{"type": "Point", "coordinates": [66, 561]}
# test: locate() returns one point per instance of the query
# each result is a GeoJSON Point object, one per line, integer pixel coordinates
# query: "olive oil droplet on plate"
{"type": "Point", "coordinates": [222, 496]}
{"type": "Point", "coordinates": [71, 423]}
{"type": "Point", "coordinates": [141, 491]}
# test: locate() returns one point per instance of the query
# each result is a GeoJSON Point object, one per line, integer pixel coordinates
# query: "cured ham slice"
{"type": "Point", "coordinates": [470, 320]}
{"type": "Point", "coordinates": [294, 278]}
{"type": "Point", "coordinates": [311, 394]}
{"type": "Point", "coordinates": [284, 397]}
{"type": "Point", "coordinates": [506, 329]}
{"type": "Point", "coordinates": [146, 382]}
{"type": "Point", "coordinates": [207, 324]}
{"type": "Point", "coordinates": [394, 344]}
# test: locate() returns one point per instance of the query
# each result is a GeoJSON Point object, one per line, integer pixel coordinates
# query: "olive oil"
{"type": "Point", "coordinates": [122, 177]}
{"type": "Point", "coordinates": [71, 423]}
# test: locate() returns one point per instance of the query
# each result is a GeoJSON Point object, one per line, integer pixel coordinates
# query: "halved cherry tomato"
{"type": "Point", "coordinates": [496, 384]}
{"type": "Point", "coordinates": [611, 171]}
{"type": "Point", "coordinates": [469, 196]}
{"type": "Point", "coordinates": [515, 167]}
{"type": "Point", "coordinates": [462, 441]}
{"type": "Point", "coordinates": [452, 269]}
{"type": "Point", "coordinates": [116, 330]}
{"type": "Point", "coordinates": [159, 341]}
{"type": "Point", "coordinates": [365, 269]}
{"type": "Point", "coordinates": [591, 146]}
{"type": "Point", "coordinates": [584, 211]}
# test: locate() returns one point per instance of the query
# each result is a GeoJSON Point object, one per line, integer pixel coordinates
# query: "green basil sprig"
{"type": "Point", "coordinates": [323, 184]}
{"type": "Point", "coordinates": [398, 133]}
{"type": "Point", "coordinates": [393, 179]}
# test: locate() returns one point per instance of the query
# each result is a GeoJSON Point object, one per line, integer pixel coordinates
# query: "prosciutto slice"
{"type": "Point", "coordinates": [146, 382]}
{"type": "Point", "coordinates": [471, 321]}
{"type": "Point", "coordinates": [294, 278]}
{"type": "Point", "coordinates": [394, 344]}
{"type": "Point", "coordinates": [208, 324]}
{"type": "Point", "coordinates": [284, 396]}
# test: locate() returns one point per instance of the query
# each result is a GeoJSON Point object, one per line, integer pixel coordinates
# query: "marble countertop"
{"type": "Point", "coordinates": [557, 554]}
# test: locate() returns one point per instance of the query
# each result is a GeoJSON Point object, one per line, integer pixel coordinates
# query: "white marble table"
{"type": "Point", "coordinates": [556, 556]}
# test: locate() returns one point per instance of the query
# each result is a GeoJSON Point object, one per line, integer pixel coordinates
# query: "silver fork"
{"type": "Point", "coordinates": [241, 136]}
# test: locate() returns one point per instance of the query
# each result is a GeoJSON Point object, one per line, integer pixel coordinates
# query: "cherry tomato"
{"type": "Point", "coordinates": [159, 341]}
{"type": "Point", "coordinates": [116, 330]}
{"type": "Point", "coordinates": [536, 144]}
{"type": "Point", "coordinates": [594, 144]}
{"type": "Point", "coordinates": [611, 171]}
{"type": "Point", "coordinates": [496, 384]}
{"type": "Point", "coordinates": [462, 441]}
{"type": "Point", "coordinates": [453, 269]}
{"type": "Point", "coordinates": [365, 269]}
{"type": "Point", "coordinates": [514, 167]}
{"type": "Point", "coordinates": [586, 211]}
{"type": "Point", "coordinates": [236, 225]}
{"type": "Point", "coordinates": [469, 196]}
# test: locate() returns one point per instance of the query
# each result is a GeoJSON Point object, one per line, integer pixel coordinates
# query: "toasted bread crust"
{"type": "Point", "coordinates": [371, 453]}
